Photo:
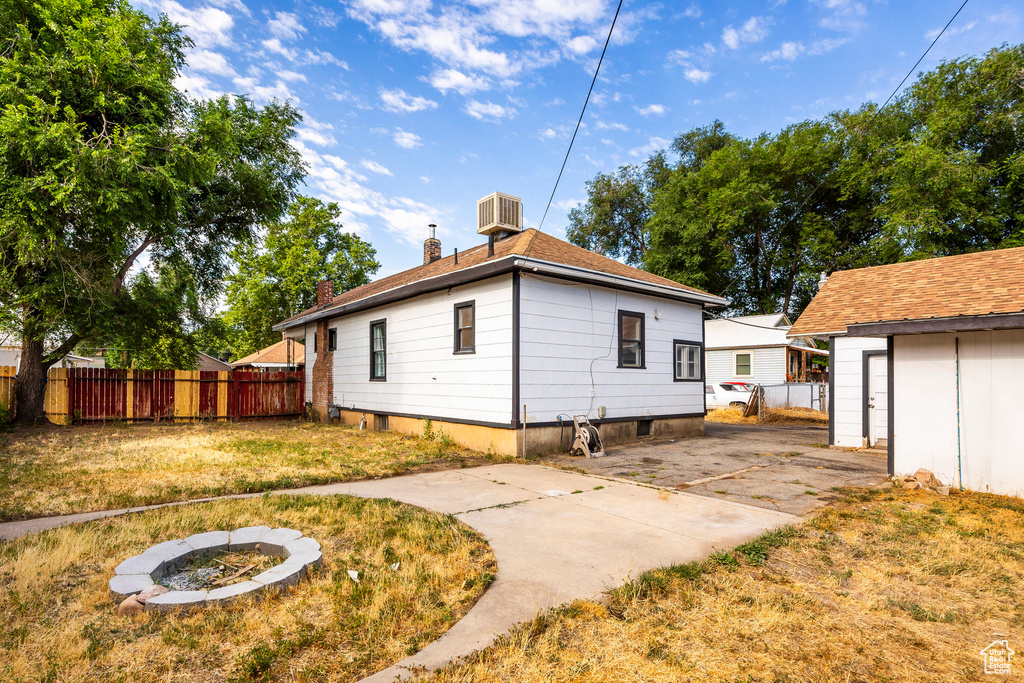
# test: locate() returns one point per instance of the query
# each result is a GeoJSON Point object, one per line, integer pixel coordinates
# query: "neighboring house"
{"type": "Point", "coordinates": [286, 354]}
{"type": "Point", "coordinates": [927, 359]}
{"type": "Point", "coordinates": [10, 355]}
{"type": "Point", "coordinates": [524, 324]}
{"type": "Point", "coordinates": [73, 361]}
{"type": "Point", "coordinates": [207, 363]}
{"type": "Point", "coordinates": [755, 348]}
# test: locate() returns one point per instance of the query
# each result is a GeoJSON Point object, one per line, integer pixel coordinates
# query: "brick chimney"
{"type": "Point", "coordinates": [324, 292]}
{"type": "Point", "coordinates": [431, 247]}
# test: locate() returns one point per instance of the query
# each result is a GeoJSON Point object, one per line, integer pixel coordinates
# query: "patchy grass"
{"type": "Point", "coordinates": [60, 470]}
{"type": "Point", "coordinates": [807, 416]}
{"type": "Point", "coordinates": [729, 416]}
{"type": "Point", "coordinates": [60, 623]}
{"type": "Point", "coordinates": [883, 586]}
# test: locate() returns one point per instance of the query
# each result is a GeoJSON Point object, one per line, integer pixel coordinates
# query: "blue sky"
{"type": "Point", "coordinates": [414, 109]}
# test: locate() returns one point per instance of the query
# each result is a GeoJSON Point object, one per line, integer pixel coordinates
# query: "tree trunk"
{"type": "Point", "coordinates": [30, 386]}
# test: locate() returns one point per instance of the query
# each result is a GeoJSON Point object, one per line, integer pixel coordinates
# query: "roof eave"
{"type": "Point", "coordinates": [500, 266]}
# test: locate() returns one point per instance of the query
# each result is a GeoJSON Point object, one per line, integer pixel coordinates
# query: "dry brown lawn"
{"type": "Point", "coordinates": [59, 623]}
{"type": "Point", "coordinates": [777, 416]}
{"type": "Point", "coordinates": [60, 470]}
{"type": "Point", "coordinates": [884, 586]}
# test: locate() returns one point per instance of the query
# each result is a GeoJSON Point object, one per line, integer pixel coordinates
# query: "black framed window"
{"type": "Point", "coordinates": [687, 364]}
{"type": "Point", "coordinates": [315, 335]}
{"type": "Point", "coordinates": [465, 327]}
{"type": "Point", "coordinates": [378, 350]}
{"type": "Point", "coordinates": [332, 339]}
{"type": "Point", "coordinates": [631, 339]}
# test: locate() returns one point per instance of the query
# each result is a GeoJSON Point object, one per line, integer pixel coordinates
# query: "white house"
{"type": "Point", "coordinates": [755, 348]}
{"type": "Point", "coordinates": [525, 329]}
{"type": "Point", "coordinates": [928, 358]}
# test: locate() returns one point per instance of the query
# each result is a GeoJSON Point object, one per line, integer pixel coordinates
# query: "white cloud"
{"type": "Point", "coordinates": [375, 167]}
{"type": "Point", "coordinates": [285, 26]}
{"type": "Point", "coordinates": [291, 76]}
{"type": "Point", "coordinates": [651, 110]}
{"type": "Point", "coordinates": [448, 80]}
{"type": "Point", "coordinates": [302, 56]}
{"type": "Point", "coordinates": [653, 145]}
{"type": "Point", "coordinates": [316, 137]}
{"type": "Point", "coordinates": [754, 30]}
{"type": "Point", "coordinates": [471, 36]}
{"type": "Point", "coordinates": [548, 133]}
{"type": "Point", "coordinates": [843, 15]}
{"type": "Point", "coordinates": [692, 12]}
{"type": "Point", "coordinates": [401, 102]}
{"type": "Point", "coordinates": [209, 62]}
{"type": "Point", "coordinates": [265, 93]}
{"type": "Point", "coordinates": [581, 45]}
{"type": "Point", "coordinates": [930, 35]}
{"type": "Point", "coordinates": [787, 51]}
{"type": "Point", "coordinates": [488, 110]}
{"type": "Point", "coordinates": [695, 75]}
{"type": "Point", "coordinates": [404, 138]}
{"type": "Point", "coordinates": [425, 179]}
{"type": "Point", "coordinates": [197, 87]}
{"type": "Point", "coordinates": [207, 26]}
{"type": "Point", "coordinates": [602, 125]}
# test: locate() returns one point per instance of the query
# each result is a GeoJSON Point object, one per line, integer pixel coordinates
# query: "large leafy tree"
{"type": "Point", "coordinates": [106, 167]}
{"type": "Point", "coordinates": [276, 276]}
{"type": "Point", "coordinates": [938, 172]}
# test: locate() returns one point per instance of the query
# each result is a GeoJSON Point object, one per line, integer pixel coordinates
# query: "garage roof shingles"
{"type": "Point", "coordinates": [990, 282]}
{"type": "Point", "coordinates": [532, 243]}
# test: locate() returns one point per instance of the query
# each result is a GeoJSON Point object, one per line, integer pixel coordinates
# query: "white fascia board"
{"type": "Point", "coordinates": [597, 277]}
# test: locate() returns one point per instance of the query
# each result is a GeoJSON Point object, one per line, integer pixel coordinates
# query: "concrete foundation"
{"type": "Point", "coordinates": [540, 440]}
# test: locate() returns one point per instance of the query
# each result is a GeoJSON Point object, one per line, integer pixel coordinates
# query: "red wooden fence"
{"type": "Point", "coordinates": [100, 394]}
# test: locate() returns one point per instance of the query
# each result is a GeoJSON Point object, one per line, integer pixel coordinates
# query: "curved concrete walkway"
{"type": "Point", "coordinates": [557, 536]}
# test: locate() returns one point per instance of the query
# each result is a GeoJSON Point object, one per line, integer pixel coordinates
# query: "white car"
{"type": "Point", "coordinates": [727, 395]}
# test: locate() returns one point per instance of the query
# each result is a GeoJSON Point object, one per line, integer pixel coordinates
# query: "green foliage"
{"type": "Point", "coordinates": [276, 277]}
{"type": "Point", "coordinates": [938, 172]}
{"type": "Point", "coordinates": [103, 162]}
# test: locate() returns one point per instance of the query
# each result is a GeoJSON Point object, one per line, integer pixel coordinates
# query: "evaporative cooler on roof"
{"type": "Point", "coordinates": [499, 212]}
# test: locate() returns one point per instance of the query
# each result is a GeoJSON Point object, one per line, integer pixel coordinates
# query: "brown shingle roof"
{"type": "Point", "coordinates": [275, 353]}
{"type": "Point", "coordinates": [989, 282]}
{"type": "Point", "coordinates": [531, 243]}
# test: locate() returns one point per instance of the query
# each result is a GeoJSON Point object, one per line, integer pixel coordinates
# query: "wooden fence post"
{"type": "Point", "coordinates": [238, 402]}
{"type": "Point", "coordinates": [71, 396]}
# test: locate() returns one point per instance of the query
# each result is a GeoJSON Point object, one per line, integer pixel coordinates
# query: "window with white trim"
{"type": "Point", "coordinates": [686, 361]}
{"type": "Point", "coordinates": [743, 364]}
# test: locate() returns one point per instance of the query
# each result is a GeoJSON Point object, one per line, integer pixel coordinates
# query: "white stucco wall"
{"type": "Point", "coordinates": [569, 330]}
{"type": "Point", "coordinates": [991, 408]}
{"type": "Point", "coordinates": [769, 365]}
{"type": "Point", "coordinates": [424, 376]}
{"type": "Point", "coordinates": [847, 358]}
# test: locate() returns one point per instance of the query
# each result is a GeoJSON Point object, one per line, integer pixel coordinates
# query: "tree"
{"type": "Point", "coordinates": [613, 221]}
{"type": "Point", "coordinates": [956, 179]}
{"type": "Point", "coordinates": [105, 165]}
{"type": "Point", "coordinates": [276, 277]}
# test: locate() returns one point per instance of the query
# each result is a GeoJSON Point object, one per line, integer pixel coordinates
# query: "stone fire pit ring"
{"type": "Point", "coordinates": [140, 572]}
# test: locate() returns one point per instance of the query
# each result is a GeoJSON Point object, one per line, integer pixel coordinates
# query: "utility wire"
{"type": "Point", "coordinates": [884, 105]}
{"type": "Point", "coordinates": [582, 112]}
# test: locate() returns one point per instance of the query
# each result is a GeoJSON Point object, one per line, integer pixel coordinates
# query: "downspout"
{"type": "Point", "coordinates": [959, 459]}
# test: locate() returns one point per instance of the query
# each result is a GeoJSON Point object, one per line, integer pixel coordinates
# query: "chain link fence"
{"type": "Point", "coordinates": [792, 395]}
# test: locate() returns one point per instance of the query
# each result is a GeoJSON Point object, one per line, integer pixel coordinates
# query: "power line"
{"type": "Point", "coordinates": [582, 112]}
{"type": "Point", "coordinates": [884, 105]}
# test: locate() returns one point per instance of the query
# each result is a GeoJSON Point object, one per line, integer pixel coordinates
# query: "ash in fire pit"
{"type": "Point", "coordinates": [205, 568]}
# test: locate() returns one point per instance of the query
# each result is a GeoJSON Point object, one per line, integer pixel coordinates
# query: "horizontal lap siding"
{"type": "Point", "coordinates": [424, 376]}
{"type": "Point", "coordinates": [848, 368]}
{"type": "Point", "coordinates": [769, 365]}
{"type": "Point", "coordinates": [991, 440]}
{"type": "Point", "coordinates": [565, 327]}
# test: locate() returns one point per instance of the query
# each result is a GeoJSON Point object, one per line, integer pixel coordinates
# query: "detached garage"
{"type": "Point", "coordinates": [934, 351]}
